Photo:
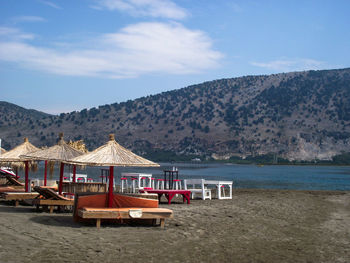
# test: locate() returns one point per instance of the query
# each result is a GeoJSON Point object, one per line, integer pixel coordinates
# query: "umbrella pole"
{"type": "Point", "coordinates": [16, 172]}
{"type": "Point", "coordinates": [110, 187]}
{"type": "Point", "coordinates": [26, 169]}
{"type": "Point", "coordinates": [74, 172]}
{"type": "Point", "coordinates": [60, 186]}
{"type": "Point", "coordinates": [45, 173]}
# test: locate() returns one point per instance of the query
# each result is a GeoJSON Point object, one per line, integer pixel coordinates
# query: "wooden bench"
{"type": "Point", "coordinates": [125, 213]}
{"type": "Point", "coordinates": [89, 206]}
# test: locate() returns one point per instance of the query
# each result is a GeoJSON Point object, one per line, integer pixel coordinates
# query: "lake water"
{"type": "Point", "coordinates": [244, 176]}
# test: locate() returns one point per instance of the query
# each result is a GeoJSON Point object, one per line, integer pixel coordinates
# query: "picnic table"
{"type": "Point", "coordinates": [169, 194]}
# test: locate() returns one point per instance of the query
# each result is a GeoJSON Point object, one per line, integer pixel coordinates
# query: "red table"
{"type": "Point", "coordinates": [169, 194]}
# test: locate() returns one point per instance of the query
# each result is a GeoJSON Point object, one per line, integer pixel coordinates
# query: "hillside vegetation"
{"type": "Point", "coordinates": [297, 116]}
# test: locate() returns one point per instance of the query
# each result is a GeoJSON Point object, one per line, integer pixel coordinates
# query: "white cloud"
{"type": "Point", "coordinates": [14, 34]}
{"type": "Point", "coordinates": [51, 4]}
{"type": "Point", "coordinates": [152, 8]}
{"type": "Point", "coordinates": [135, 50]}
{"type": "Point", "coordinates": [19, 19]}
{"type": "Point", "coordinates": [284, 64]}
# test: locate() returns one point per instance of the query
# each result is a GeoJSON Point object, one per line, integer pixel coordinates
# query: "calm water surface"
{"type": "Point", "coordinates": [245, 176]}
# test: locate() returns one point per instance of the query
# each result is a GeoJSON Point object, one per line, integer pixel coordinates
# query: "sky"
{"type": "Point", "coordinates": [62, 55]}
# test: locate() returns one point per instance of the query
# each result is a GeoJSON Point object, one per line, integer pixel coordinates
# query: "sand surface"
{"type": "Point", "coordinates": [255, 226]}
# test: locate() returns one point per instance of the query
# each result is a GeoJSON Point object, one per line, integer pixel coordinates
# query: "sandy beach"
{"type": "Point", "coordinates": [255, 226]}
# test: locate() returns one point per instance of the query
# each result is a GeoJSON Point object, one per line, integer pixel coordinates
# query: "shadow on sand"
{"type": "Point", "coordinates": [10, 208]}
{"type": "Point", "coordinates": [60, 220]}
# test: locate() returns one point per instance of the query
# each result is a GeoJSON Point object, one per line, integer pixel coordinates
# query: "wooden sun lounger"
{"type": "Point", "coordinates": [49, 198]}
{"type": "Point", "coordinates": [11, 180]}
{"type": "Point", "coordinates": [125, 213]}
{"type": "Point", "coordinates": [18, 196]}
{"type": "Point", "coordinates": [7, 189]}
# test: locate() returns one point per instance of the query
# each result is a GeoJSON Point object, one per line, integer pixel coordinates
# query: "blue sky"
{"type": "Point", "coordinates": [60, 56]}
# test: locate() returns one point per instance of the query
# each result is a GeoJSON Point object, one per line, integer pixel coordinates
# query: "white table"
{"type": "Point", "coordinates": [218, 185]}
{"type": "Point", "coordinates": [139, 176]}
{"type": "Point", "coordinates": [70, 176]}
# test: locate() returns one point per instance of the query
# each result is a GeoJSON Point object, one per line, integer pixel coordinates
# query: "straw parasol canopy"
{"type": "Point", "coordinates": [14, 157]}
{"type": "Point", "coordinates": [112, 154]}
{"type": "Point", "coordinates": [57, 153]}
{"type": "Point", "coordinates": [2, 150]}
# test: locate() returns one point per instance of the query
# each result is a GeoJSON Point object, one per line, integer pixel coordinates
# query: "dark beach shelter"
{"type": "Point", "coordinates": [58, 153]}
{"type": "Point", "coordinates": [14, 158]}
{"type": "Point", "coordinates": [112, 154]}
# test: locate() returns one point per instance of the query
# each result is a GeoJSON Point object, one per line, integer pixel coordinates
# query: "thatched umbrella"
{"type": "Point", "coordinates": [57, 153]}
{"type": "Point", "coordinates": [14, 157]}
{"type": "Point", "coordinates": [112, 154]}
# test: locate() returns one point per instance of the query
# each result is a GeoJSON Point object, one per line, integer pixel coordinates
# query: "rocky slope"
{"type": "Point", "coordinates": [298, 115]}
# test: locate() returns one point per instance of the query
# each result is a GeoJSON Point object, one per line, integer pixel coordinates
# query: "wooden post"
{"type": "Point", "coordinates": [74, 172]}
{"type": "Point", "coordinates": [162, 223]}
{"type": "Point", "coordinates": [45, 173]}
{"type": "Point", "coordinates": [60, 186]}
{"type": "Point", "coordinates": [98, 222]}
{"type": "Point", "coordinates": [110, 187]}
{"type": "Point", "coordinates": [26, 176]}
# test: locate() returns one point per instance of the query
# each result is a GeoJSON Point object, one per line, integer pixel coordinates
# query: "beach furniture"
{"type": "Point", "coordinates": [12, 180]}
{"type": "Point", "coordinates": [13, 190]}
{"type": "Point", "coordinates": [112, 154]}
{"type": "Point", "coordinates": [17, 196]}
{"type": "Point", "coordinates": [197, 187]}
{"type": "Point", "coordinates": [160, 184]}
{"type": "Point", "coordinates": [138, 180]}
{"type": "Point", "coordinates": [58, 153]}
{"type": "Point", "coordinates": [6, 170]}
{"type": "Point", "coordinates": [124, 209]}
{"type": "Point", "coordinates": [169, 177]}
{"type": "Point", "coordinates": [15, 158]}
{"type": "Point", "coordinates": [177, 184]}
{"type": "Point", "coordinates": [220, 187]}
{"type": "Point", "coordinates": [169, 194]}
{"type": "Point", "coordinates": [39, 182]}
{"type": "Point", "coordinates": [48, 198]}
{"type": "Point", "coordinates": [79, 177]}
{"type": "Point", "coordinates": [124, 184]}
{"type": "Point", "coordinates": [7, 188]}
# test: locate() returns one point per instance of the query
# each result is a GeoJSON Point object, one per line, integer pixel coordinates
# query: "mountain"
{"type": "Point", "coordinates": [298, 116]}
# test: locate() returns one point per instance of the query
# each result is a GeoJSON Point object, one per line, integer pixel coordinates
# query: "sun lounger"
{"type": "Point", "coordinates": [17, 196]}
{"type": "Point", "coordinates": [6, 189]}
{"type": "Point", "coordinates": [13, 190]}
{"type": "Point", "coordinates": [49, 198]}
{"type": "Point", "coordinates": [11, 180]}
{"type": "Point", "coordinates": [125, 208]}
